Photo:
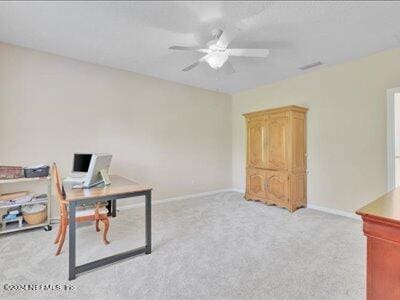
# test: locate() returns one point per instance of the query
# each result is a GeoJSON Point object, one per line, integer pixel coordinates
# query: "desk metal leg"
{"type": "Point", "coordinates": [148, 222]}
{"type": "Point", "coordinates": [74, 269]}
{"type": "Point", "coordinates": [72, 238]}
{"type": "Point", "coordinates": [114, 208]}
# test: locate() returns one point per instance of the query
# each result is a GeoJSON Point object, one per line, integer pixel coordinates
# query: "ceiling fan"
{"type": "Point", "coordinates": [218, 53]}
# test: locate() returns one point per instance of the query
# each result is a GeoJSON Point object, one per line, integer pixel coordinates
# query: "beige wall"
{"type": "Point", "coordinates": [178, 138]}
{"type": "Point", "coordinates": [346, 127]}
{"type": "Point", "coordinates": [397, 137]}
{"type": "Point", "coordinates": [174, 137]}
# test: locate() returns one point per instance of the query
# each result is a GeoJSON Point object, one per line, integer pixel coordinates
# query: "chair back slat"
{"type": "Point", "coordinates": [58, 190]}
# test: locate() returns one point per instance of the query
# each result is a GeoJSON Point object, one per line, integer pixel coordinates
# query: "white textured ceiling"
{"type": "Point", "coordinates": [135, 36]}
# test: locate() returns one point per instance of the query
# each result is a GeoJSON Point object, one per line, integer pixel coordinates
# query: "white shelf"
{"type": "Point", "coordinates": [37, 201]}
{"type": "Point", "coordinates": [14, 227]}
{"type": "Point", "coordinates": [23, 179]}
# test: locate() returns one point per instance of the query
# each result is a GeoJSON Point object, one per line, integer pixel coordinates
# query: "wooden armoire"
{"type": "Point", "coordinates": [276, 167]}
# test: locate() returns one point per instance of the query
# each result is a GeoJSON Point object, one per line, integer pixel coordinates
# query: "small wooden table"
{"type": "Point", "coordinates": [120, 188]}
{"type": "Point", "coordinates": [381, 224]}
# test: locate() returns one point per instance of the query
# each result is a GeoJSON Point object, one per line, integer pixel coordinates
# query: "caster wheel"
{"type": "Point", "coordinates": [47, 228]}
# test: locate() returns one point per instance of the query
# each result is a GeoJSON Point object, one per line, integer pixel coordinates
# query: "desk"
{"type": "Point", "coordinates": [120, 188]}
{"type": "Point", "coordinates": [381, 225]}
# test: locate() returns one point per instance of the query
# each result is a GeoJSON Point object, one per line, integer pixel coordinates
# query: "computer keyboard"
{"type": "Point", "coordinates": [74, 179]}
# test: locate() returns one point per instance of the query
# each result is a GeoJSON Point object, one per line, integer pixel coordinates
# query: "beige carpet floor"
{"type": "Point", "coordinates": [218, 246]}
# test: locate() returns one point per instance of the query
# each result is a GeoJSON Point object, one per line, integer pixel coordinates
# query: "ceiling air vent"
{"type": "Point", "coordinates": [309, 66]}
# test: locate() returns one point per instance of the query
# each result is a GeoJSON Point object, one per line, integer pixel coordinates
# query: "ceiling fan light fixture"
{"type": "Point", "coordinates": [217, 52]}
{"type": "Point", "coordinates": [216, 60]}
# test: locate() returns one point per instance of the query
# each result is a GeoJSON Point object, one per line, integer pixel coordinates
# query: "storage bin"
{"type": "Point", "coordinates": [11, 172]}
{"type": "Point", "coordinates": [37, 172]}
{"type": "Point", "coordinates": [34, 214]}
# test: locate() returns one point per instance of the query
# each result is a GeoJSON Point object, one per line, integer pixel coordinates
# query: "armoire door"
{"type": "Point", "coordinates": [256, 142]}
{"type": "Point", "coordinates": [277, 127]}
{"type": "Point", "coordinates": [256, 184]}
{"type": "Point", "coordinates": [298, 191]}
{"type": "Point", "coordinates": [277, 186]}
{"type": "Point", "coordinates": [299, 162]}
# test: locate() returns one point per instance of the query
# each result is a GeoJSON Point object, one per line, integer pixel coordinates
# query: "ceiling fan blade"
{"type": "Point", "coordinates": [183, 48]}
{"type": "Point", "coordinates": [248, 52]}
{"type": "Point", "coordinates": [227, 68]}
{"type": "Point", "coordinates": [226, 38]}
{"type": "Point", "coordinates": [195, 64]}
{"type": "Point", "coordinates": [188, 68]}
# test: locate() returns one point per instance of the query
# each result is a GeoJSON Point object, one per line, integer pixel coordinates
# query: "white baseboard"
{"type": "Point", "coordinates": [334, 211]}
{"type": "Point", "coordinates": [321, 208]}
{"type": "Point", "coordinates": [184, 197]}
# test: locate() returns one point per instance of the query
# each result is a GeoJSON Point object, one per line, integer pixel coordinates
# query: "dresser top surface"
{"type": "Point", "coordinates": [386, 207]}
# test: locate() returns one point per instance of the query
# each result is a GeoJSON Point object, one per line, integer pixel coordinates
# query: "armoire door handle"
{"type": "Point", "coordinates": [266, 185]}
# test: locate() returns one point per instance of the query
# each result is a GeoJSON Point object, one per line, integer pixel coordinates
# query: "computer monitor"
{"type": "Point", "coordinates": [98, 170]}
{"type": "Point", "coordinates": [81, 162]}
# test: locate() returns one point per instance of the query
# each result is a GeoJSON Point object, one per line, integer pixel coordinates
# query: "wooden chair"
{"type": "Point", "coordinates": [83, 214]}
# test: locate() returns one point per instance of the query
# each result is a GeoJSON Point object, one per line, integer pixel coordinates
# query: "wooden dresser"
{"type": "Point", "coordinates": [276, 157]}
{"type": "Point", "coordinates": [381, 225]}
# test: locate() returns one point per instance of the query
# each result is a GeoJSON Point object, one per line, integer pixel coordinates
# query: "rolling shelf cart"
{"type": "Point", "coordinates": [14, 227]}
